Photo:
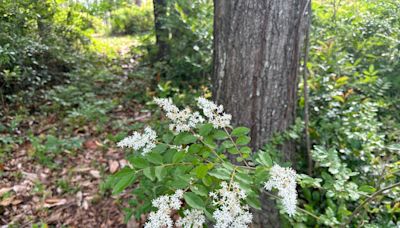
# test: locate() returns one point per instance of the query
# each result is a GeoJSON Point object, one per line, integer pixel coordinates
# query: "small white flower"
{"type": "Point", "coordinates": [230, 212]}
{"type": "Point", "coordinates": [192, 219]}
{"type": "Point", "coordinates": [165, 204]}
{"type": "Point", "coordinates": [137, 141]}
{"type": "Point", "coordinates": [214, 113]}
{"type": "Point", "coordinates": [182, 120]}
{"type": "Point", "coordinates": [284, 179]}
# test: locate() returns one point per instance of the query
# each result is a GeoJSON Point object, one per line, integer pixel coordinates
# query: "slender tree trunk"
{"type": "Point", "coordinates": [257, 47]}
{"type": "Point", "coordinates": [160, 13]}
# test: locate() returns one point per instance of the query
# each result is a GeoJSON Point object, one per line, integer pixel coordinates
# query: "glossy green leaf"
{"type": "Point", "coordinates": [239, 131]}
{"type": "Point", "coordinates": [123, 183]}
{"type": "Point", "coordinates": [178, 157]}
{"type": "Point", "coordinates": [160, 172]}
{"type": "Point", "coordinates": [138, 162]}
{"type": "Point", "coordinates": [243, 140]}
{"type": "Point", "coordinates": [194, 200]}
{"type": "Point", "coordinates": [220, 134]}
{"type": "Point", "coordinates": [154, 158]}
{"type": "Point", "coordinates": [201, 171]}
{"type": "Point", "coordinates": [205, 129]}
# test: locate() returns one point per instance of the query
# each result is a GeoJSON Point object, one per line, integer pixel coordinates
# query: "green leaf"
{"type": "Point", "coordinates": [199, 190]}
{"type": "Point", "coordinates": [227, 144]}
{"type": "Point", "coordinates": [167, 156]}
{"type": "Point", "coordinates": [264, 159]}
{"type": "Point", "coordinates": [220, 134]}
{"type": "Point", "coordinates": [244, 178]}
{"type": "Point", "coordinates": [160, 148]}
{"type": "Point", "coordinates": [245, 150]}
{"type": "Point", "coordinates": [205, 129]}
{"type": "Point", "coordinates": [220, 173]}
{"type": "Point", "coordinates": [160, 172]}
{"type": "Point", "coordinates": [178, 157]}
{"type": "Point", "coordinates": [367, 188]}
{"type": "Point", "coordinates": [123, 183]}
{"type": "Point", "coordinates": [207, 181]}
{"type": "Point", "coordinates": [243, 140]}
{"type": "Point", "coordinates": [184, 138]}
{"type": "Point", "coordinates": [240, 131]}
{"type": "Point", "coordinates": [138, 162]}
{"type": "Point", "coordinates": [154, 158]}
{"type": "Point", "coordinates": [201, 170]}
{"type": "Point", "coordinates": [233, 150]}
{"type": "Point", "coordinates": [181, 181]}
{"type": "Point", "coordinates": [339, 98]}
{"type": "Point", "coordinates": [149, 173]}
{"type": "Point", "coordinates": [194, 200]}
{"type": "Point", "coordinates": [167, 138]}
{"type": "Point", "coordinates": [194, 148]}
{"type": "Point", "coordinates": [189, 139]}
{"type": "Point", "coordinates": [253, 202]}
{"type": "Point", "coordinates": [208, 141]}
{"type": "Point", "coordinates": [123, 172]}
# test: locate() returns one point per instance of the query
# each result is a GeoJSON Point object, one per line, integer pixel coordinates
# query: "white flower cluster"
{"type": "Point", "coordinates": [137, 141]}
{"type": "Point", "coordinates": [165, 204]}
{"type": "Point", "coordinates": [182, 120]}
{"type": "Point", "coordinates": [193, 218]}
{"type": "Point", "coordinates": [214, 113]}
{"type": "Point", "coordinates": [230, 212]}
{"type": "Point", "coordinates": [284, 179]}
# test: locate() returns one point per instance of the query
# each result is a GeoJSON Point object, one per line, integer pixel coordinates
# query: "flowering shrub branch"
{"type": "Point", "coordinates": [184, 177]}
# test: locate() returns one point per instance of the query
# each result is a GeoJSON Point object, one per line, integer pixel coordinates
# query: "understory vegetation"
{"type": "Point", "coordinates": [81, 79]}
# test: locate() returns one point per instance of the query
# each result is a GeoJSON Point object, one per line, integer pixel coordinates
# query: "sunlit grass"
{"type": "Point", "coordinates": [113, 46]}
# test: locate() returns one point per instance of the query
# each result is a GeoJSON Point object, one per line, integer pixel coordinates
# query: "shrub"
{"type": "Point", "coordinates": [188, 163]}
{"type": "Point", "coordinates": [132, 19]}
{"type": "Point", "coordinates": [39, 45]}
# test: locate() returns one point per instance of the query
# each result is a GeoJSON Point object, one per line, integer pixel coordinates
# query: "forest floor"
{"type": "Point", "coordinates": [56, 156]}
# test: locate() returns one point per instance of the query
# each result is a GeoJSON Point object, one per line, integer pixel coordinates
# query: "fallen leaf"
{"type": "Point", "coordinates": [4, 190]}
{"type": "Point", "coordinates": [85, 205]}
{"type": "Point", "coordinates": [90, 144]}
{"type": "Point", "coordinates": [30, 176]}
{"type": "Point", "coordinates": [52, 202]}
{"type": "Point", "coordinates": [113, 166]}
{"type": "Point", "coordinates": [95, 173]}
{"type": "Point", "coordinates": [10, 201]}
{"type": "Point", "coordinates": [19, 188]}
{"type": "Point", "coordinates": [123, 163]}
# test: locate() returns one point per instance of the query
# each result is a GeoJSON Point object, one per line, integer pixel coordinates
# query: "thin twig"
{"type": "Point", "coordinates": [236, 147]}
{"type": "Point", "coordinates": [358, 209]}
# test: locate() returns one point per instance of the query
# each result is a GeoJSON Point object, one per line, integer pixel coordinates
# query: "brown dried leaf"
{"type": "Point", "coordinates": [113, 166]}
{"type": "Point", "coordinates": [4, 190]}
{"type": "Point", "coordinates": [52, 202]}
{"type": "Point", "coordinates": [95, 173]}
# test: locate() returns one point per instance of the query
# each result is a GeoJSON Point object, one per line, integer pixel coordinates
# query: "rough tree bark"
{"type": "Point", "coordinates": [257, 45]}
{"type": "Point", "coordinates": [160, 13]}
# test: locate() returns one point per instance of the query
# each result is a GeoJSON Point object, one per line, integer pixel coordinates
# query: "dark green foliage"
{"type": "Point", "coordinates": [39, 44]}
{"type": "Point", "coordinates": [189, 53]}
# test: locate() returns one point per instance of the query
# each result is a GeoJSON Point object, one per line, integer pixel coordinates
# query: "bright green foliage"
{"type": "Point", "coordinates": [132, 19]}
{"type": "Point", "coordinates": [353, 118]}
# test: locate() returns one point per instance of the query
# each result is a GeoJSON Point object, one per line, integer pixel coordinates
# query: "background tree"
{"type": "Point", "coordinates": [257, 47]}
{"type": "Point", "coordinates": [160, 13]}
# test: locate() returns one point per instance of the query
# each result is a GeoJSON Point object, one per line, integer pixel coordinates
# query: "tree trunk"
{"type": "Point", "coordinates": [257, 47]}
{"type": "Point", "coordinates": [160, 13]}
